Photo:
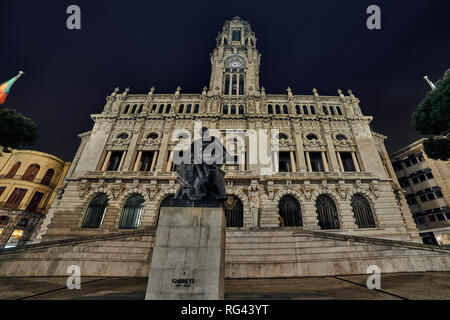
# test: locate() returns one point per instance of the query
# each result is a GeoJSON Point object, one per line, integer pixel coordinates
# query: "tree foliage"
{"type": "Point", "coordinates": [16, 130]}
{"type": "Point", "coordinates": [432, 117]}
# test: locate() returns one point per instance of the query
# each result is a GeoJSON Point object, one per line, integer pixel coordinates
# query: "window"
{"type": "Point", "coordinates": [141, 107]}
{"type": "Point", "coordinates": [241, 84]}
{"type": "Point", "coordinates": [325, 110]}
{"type": "Point", "coordinates": [225, 109]}
{"type": "Point", "coordinates": [22, 222]}
{"type": "Point", "coordinates": [234, 85]}
{"type": "Point", "coordinates": [227, 84]}
{"type": "Point", "coordinates": [408, 163]}
{"type": "Point", "coordinates": [114, 161]}
{"type": "Point", "coordinates": [297, 109]}
{"type": "Point", "coordinates": [146, 160]}
{"type": "Point", "coordinates": [127, 108]}
{"type": "Point", "coordinates": [311, 136]}
{"type": "Point", "coordinates": [123, 136]}
{"type": "Point", "coordinates": [14, 240]}
{"type": "Point", "coordinates": [35, 201]}
{"type": "Point", "coordinates": [414, 161]}
{"type": "Point", "coordinates": [234, 212]}
{"type": "Point", "coordinates": [305, 109]}
{"type": "Point", "coordinates": [423, 198]}
{"type": "Point", "coordinates": [233, 109]}
{"type": "Point", "coordinates": [4, 220]}
{"type": "Point", "coordinates": [31, 172]}
{"type": "Point", "coordinates": [270, 109]}
{"type": "Point", "coordinates": [313, 110]}
{"type": "Point", "coordinates": [48, 177]}
{"type": "Point", "coordinates": [347, 162]}
{"type": "Point", "coordinates": [332, 111]}
{"type": "Point", "coordinates": [420, 158]}
{"type": "Point", "coordinates": [316, 162]}
{"type": "Point", "coordinates": [12, 172]}
{"type": "Point", "coordinates": [236, 35]}
{"type": "Point", "coordinates": [154, 108]}
{"type": "Point", "coordinates": [412, 201]}
{"type": "Point", "coordinates": [437, 193]}
{"type": "Point", "coordinates": [196, 108]}
{"type": "Point", "coordinates": [181, 109]}
{"type": "Point", "coordinates": [15, 198]}
{"type": "Point", "coordinates": [132, 212]}
{"type": "Point", "coordinates": [161, 109]}
{"type": "Point", "coordinates": [429, 175]}
{"type": "Point", "coordinates": [415, 180]}
{"type": "Point", "coordinates": [431, 218]}
{"type": "Point", "coordinates": [341, 137]}
{"type": "Point", "coordinates": [440, 217]}
{"type": "Point", "coordinates": [168, 108]}
{"type": "Point", "coordinates": [153, 136]}
{"type": "Point", "coordinates": [327, 213]}
{"type": "Point", "coordinates": [431, 196]}
{"type": "Point", "coordinates": [338, 109]}
{"type": "Point", "coordinates": [241, 109]}
{"type": "Point", "coordinates": [290, 212]}
{"type": "Point", "coordinates": [96, 211]}
{"type": "Point", "coordinates": [284, 162]}
{"type": "Point", "coordinates": [134, 109]}
{"type": "Point", "coordinates": [362, 211]}
{"type": "Point", "coordinates": [285, 109]}
{"type": "Point", "coordinates": [189, 108]}
{"type": "Point", "coordinates": [277, 109]}
{"type": "Point", "coordinates": [422, 178]}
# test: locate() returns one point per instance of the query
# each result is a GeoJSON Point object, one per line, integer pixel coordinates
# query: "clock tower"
{"type": "Point", "coordinates": [235, 61]}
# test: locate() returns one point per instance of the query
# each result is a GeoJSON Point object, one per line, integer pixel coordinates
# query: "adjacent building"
{"type": "Point", "coordinates": [28, 180]}
{"type": "Point", "coordinates": [427, 187]}
{"type": "Point", "coordinates": [331, 172]}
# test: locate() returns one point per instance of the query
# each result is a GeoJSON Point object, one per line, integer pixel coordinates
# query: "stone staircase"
{"type": "Point", "coordinates": [293, 252]}
{"type": "Point", "coordinates": [126, 254]}
{"type": "Point", "coordinates": [258, 253]}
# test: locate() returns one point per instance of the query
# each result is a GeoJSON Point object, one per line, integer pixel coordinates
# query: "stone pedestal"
{"type": "Point", "coordinates": [189, 255]}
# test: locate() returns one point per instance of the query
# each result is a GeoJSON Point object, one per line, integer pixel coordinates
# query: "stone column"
{"type": "Point", "coordinates": [355, 162]}
{"type": "Point", "coordinates": [138, 161]}
{"type": "Point", "coordinates": [341, 166]}
{"type": "Point", "coordinates": [299, 149]}
{"type": "Point", "coordinates": [122, 159]}
{"type": "Point", "coordinates": [105, 164]}
{"type": "Point", "coordinates": [155, 157]}
{"type": "Point", "coordinates": [325, 163]}
{"type": "Point", "coordinates": [294, 168]}
{"type": "Point", "coordinates": [132, 147]}
{"type": "Point", "coordinates": [163, 151]}
{"type": "Point", "coordinates": [308, 162]}
{"type": "Point", "coordinates": [331, 152]}
{"type": "Point", "coordinates": [169, 162]}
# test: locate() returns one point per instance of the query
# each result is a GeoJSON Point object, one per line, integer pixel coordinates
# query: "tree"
{"type": "Point", "coordinates": [16, 130]}
{"type": "Point", "coordinates": [432, 117]}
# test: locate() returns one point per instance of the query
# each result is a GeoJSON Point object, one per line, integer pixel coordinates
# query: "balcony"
{"type": "Point", "coordinates": [23, 178]}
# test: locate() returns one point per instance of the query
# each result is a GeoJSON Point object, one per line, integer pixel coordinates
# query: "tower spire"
{"type": "Point", "coordinates": [433, 87]}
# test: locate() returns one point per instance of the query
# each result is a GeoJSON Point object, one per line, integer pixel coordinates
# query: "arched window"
{"type": "Point", "coordinates": [127, 108]}
{"type": "Point", "coordinates": [363, 212]}
{"type": "Point", "coordinates": [189, 108]}
{"type": "Point", "coordinates": [233, 109]}
{"type": "Point", "coordinates": [285, 109]}
{"type": "Point", "coordinates": [161, 109]}
{"type": "Point", "coordinates": [305, 109]}
{"type": "Point", "coordinates": [313, 110]}
{"type": "Point", "coordinates": [327, 213]}
{"type": "Point", "coordinates": [168, 108]}
{"type": "Point", "coordinates": [48, 177]}
{"type": "Point", "coordinates": [339, 111]}
{"type": "Point", "coordinates": [12, 172]}
{"type": "Point", "coordinates": [154, 108]}
{"type": "Point", "coordinates": [241, 84]}
{"type": "Point", "coordinates": [325, 110]}
{"type": "Point", "coordinates": [311, 136]}
{"type": "Point", "coordinates": [340, 137]}
{"type": "Point", "coordinates": [123, 136]}
{"type": "Point", "coordinates": [181, 109]}
{"type": "Point", "coordinates": [134, 108]}
{"type": "Point", "coordinates": [234, 212]}
{"type": "Point", "coordinates": [95, 212]}
{"type": "Point", "coordinates": [22, 223]}
{"type": "Point", "coordinates": [234, 85]}
{"type": "Point", "coordinates": [290, 212]}
{"type": "Point", "coordinates": [132, 212]}
{"type": "Point", "coordinates": [297, 108]}
{"type": "Point", "coordinates": [141, 107]}
{"type": "Point", "coordinates": [225, 109]}
{"type": "Point", "coordinates": [277, 109]}
{"type": "Point", "coordinates": [31, 172]}
{"type": "Point", "coordinates": [241, 109]}
{"type": "Point", "coordinates": [269, 109]}
{"type": "Point", "coordinates": [332, 111]}
{"type": "Point", "coordinates": [196, 108]}
{"type": "Point", "coordinates": [227, 84]}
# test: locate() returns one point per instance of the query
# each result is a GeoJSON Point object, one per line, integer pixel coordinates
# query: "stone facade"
{"type": "Point", "coordinates": [28, 180]}
{"type": "Point", "coordinates": [426, 183]}
{"type": "Point", "coordinates": [328, 155]}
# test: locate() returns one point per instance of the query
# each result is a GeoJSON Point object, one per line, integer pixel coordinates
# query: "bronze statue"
{"type": "Point", "coordinates": [201, 180]}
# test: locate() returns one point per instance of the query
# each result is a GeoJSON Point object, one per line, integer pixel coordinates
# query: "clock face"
{"type": "Point", "coordinates": [235, 61]}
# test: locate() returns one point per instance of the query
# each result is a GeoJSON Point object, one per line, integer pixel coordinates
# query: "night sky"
{"type": "Point", "coordinates": [304, 44]}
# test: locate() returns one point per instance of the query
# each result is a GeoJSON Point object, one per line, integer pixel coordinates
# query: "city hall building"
{"type": "Point", "coordinates": [332, 204]}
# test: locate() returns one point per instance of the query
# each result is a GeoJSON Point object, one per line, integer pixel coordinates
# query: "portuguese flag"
{"type": "Point", "coordinates": [5, 87]}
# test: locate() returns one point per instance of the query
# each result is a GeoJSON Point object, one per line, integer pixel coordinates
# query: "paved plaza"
{"type": "Point", "coordinates": [400, 286]}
